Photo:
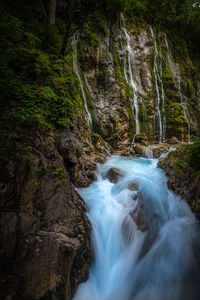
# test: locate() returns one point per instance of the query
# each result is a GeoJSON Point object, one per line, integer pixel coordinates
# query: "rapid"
{"type": "Point", "coordinates": [145, 237]}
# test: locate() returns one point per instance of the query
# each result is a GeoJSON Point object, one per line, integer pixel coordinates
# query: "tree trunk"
{"type": "Point", "coordinates": [68, 26]}
{"type": "Point", "coordinates": [51, 12]}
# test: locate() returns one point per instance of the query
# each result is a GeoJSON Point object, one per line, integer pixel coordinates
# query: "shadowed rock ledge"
{"type": "Point", "coordinates": [44, 232]}
{"type": "Point", "coordinates": [183, 176]}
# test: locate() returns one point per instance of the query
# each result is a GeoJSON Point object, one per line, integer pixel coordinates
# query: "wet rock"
{"type": "Point", "coordinates": [80, 154]}
{"type": "Point", "coordinates": [139, 149]}
{"type": "Point", "coordinates": [182, 178]}
{"type": "Point", "coordinates": [173, 140]}
{"type": "Point", "coordinates": [157, 151]}
{"type": "Point", "coordinates": [114, 175]}
{"type": "Point", "coordinates": [8, 238]}
{"type": "Point", "coordinates": [92, 176]}
{"type": "Point", "coordinates": [44, 231]}
{"type": "Point", "coordinates": [9, 286]}
{"type": "Point", "coordinates": [133, 186]}
{"type": "Point", "coordinates": [139, 214]}
{"type": "Point", "coordinates": [141, 139]}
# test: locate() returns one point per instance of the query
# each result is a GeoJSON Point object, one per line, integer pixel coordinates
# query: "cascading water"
{"type": "Point", "coordinates": [164, 126]}
{"type": "Point", "coordinates": [128, 73]}
{"type": "Point", "coordinates": [158, 80]}
{"type": "Point", "coordinates": [76, 69]}
{"type": "Point", "coordinates": [148, 152]}
{"type": "Point", "coordinates": [145, 237]}
{"type": "Point", "coordinates": [173, 67]}
{"type": "Point", "coordinates": [177, 76]}
{"type": "Point", "coordinates": [184, 105]}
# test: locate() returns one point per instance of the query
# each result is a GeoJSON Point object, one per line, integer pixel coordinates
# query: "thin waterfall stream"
{"type": "Point", "coordinates": [164, 126]}
{"type": "Point", "coordinates": [158, 80]}
{"type": "Point", "coordinates": [145, 237]}
{"type": "Point", "coordinates": [76, 69]}
{"type": "Point", "coordinates": [128, 73]}
{"type": "Point", "coordinates": [175, 69]}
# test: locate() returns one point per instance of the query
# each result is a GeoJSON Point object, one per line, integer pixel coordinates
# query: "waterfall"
{"type": "Point", "coordinates": [158, 80]}
{"type": "Point", "coordinates": [184, 105]}
{"type": "Point", "coordinates": [76, 69]}
{"type": "Point", "coordinates": [128, 73]}
{"type": "Point", "coordinates": [164, 126]}
{"type": "Point", "coordinates": [174, 68]}
{"type": "Point", "coordinates": [145, 237]}
{"type": "Point", "coordinates": [147, 153]}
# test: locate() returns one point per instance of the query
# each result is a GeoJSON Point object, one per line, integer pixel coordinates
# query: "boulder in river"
{"type": "Point", "coordinates": [114, 174]}
{"type": "Point", "coordinates": [133, 186]}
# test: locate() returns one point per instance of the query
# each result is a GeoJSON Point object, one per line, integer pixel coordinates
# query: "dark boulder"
{"type": "Point", "coordinates": [141, 139]}
{"type": "Point", "coordinates": [114, 174]}
{"type": "Point", "coordinates": [133, 186]}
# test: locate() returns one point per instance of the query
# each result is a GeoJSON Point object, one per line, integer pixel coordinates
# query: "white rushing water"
{"type": "Point", "coordinates": [145, 237]}
{"type": "Point", "coordinates": [175, 69]}
{"type": "Point", "coordinates": [76, 69]}
{"type": "Point", "coordinates": [184, 105]}
{"type": "Point", "coordinates": [164, 124]}
{"type": "Point", "coordinates": [128, 73]}
{"type": "Point", "coordinates": [159, 120]}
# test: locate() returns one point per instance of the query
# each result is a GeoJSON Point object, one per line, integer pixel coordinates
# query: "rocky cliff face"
{"type": "Point", "coordinates": [132, 80]}
{"type": "Point", "coordinates": [183, 176]}
{"type": "Point", "coordinates": [136, 75]}
{"type": "Point", "coordinates": [45, 234]}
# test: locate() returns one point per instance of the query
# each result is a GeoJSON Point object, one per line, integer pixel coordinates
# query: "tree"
{"type": "Point", "coordinates": [68, 26]}
{"type": "Point", "coordinates": [51, 12]}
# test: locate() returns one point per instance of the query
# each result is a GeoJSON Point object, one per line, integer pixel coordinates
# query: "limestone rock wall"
{"type": "Point", "coordinates": [45, 234]}
{"type": "Point", "coordinates": [183, 177]}
{"type": "Point", "coordinates": [110, 96]}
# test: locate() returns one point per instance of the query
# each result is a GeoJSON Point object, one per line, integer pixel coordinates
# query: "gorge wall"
{"type": "Point", "coordinates": [60, 116]}
{"type": "Point", "coordinates": [137, 82]}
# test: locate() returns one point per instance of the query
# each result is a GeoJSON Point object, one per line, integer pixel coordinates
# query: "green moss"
{"type": "Point", "coordinates": [190, 86]}
{"type": "Point", "coordinates": [117, 66]}
{"type": "Point", "coordinates": [142, 117]}
{"type": "Point", "coordinates": [57, 172]}
{"type": "Point", "coordinates": [96, 137]}
{"type": "Point", "coordinates": [89, 35]}
{"type": "Point", "coordinates": [187, 156]}
{"type": "Point", "coordinates": [37, 86]}
{"type": "Point", "coordinates": [98, 22]}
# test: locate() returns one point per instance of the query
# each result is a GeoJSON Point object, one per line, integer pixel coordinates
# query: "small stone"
{"type": "Point", "coordinates": [133, 186]}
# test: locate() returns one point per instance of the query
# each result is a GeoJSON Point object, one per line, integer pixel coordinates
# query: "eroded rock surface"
{"type": "Point", "coordinates": [45, 235]}
{"type": "Point", "coordinates": [182, 178]}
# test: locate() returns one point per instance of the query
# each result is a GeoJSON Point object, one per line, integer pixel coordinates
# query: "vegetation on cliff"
{"type": "Point", "coordinates": [47, 145]}
{"type": "Point", "coordinates": [183, 169]}
{"type": "Point", "coordinates": [37, 83]}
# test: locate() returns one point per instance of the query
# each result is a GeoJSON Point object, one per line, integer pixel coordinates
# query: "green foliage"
{"type": "Point", "coordinates": [96, 137]}
{"type": "Point", "coordinates": [187, 156]}
{"type": "Point", "coordinates": [99, 23]}
{"type": "Point", "coordinates": [136, 7]}
{"type": "Point", "coordinates": [115, 5]}
{"type": "Point", "coordinates": [180, 163]}
{"type": "Point", "coordinates": [57, 172]}
{"type": "Point", "coordinates": [116, 65]}
{"type": "Point", "coordinates": [89, 35]}
{"type": "Point", "coordinates": [194, 152]}
{"type": "Point", "coordinates": [37, 86]}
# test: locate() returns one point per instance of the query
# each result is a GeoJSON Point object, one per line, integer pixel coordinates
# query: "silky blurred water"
{"type": "Point", "coordinates": [145, 237]}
